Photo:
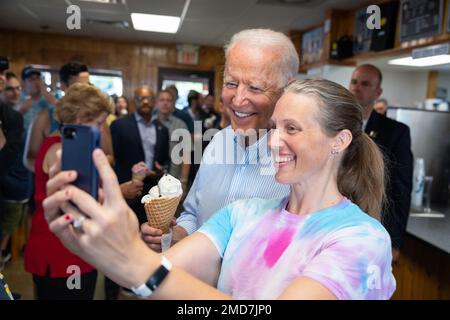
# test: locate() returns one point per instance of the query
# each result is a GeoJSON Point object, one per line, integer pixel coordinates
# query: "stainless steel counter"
{"type": "Point", "coordinates": [435, 231]}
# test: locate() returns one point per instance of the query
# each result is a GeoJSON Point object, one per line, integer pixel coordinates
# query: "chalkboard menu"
{"type": "Point", "coordinates": [312, 46]}
{"type": "Point", "coordinates": [363, 35]}
{"type": "Point", "coordinates": [420, 19]}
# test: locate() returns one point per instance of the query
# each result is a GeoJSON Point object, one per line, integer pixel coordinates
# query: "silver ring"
{"type": "Point", "coordinates": [78, 223]}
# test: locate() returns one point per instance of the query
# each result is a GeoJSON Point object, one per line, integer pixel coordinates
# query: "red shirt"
{"type": "Point", "coordinates": [44, 250]}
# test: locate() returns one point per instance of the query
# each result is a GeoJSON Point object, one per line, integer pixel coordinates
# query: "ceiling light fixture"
{"type": "Point", "coordinates": [421, 62]}
{"type": "Point", "coordinates": [155, 23]}
{"type": "Point", "coordinates": [426, 56]}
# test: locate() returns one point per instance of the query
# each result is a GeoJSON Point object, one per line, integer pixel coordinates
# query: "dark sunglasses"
{"type": "Point", "coordinates": [18, 88]}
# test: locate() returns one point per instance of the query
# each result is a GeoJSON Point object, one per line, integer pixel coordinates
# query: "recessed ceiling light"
{"type": "Point", "coordinates": [107, 1]}
{"type": "Point", "coordinates": [155, 23]}
{"type": "Point", "coordinates": [421, 62]}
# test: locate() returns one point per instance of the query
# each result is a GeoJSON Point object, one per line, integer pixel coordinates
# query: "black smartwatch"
{"type": "Point", "coordinates": [146, 289]}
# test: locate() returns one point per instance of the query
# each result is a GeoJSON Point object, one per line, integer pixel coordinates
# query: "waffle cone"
{"type": "Point", "coordinates": [160, 212]}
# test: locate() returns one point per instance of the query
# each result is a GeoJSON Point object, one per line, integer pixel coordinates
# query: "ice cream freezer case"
{"type": "Point", "coordinates": [430, 140]}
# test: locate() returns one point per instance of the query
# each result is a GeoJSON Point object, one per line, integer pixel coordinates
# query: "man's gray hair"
{"type": "Point", "coordinates": [288, 64]}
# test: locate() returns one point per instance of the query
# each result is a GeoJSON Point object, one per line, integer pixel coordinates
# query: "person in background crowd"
{"type": "Point", "coordinates": [16, 182]}
{"type": "Point", "coordinates": [165, 106]}
{"type": "Point", "coordinates": [4, 65]}
{"type": "Point", "coordinates": [136, 138]}
{"type": "Point", "coordinates": [37, 97]}
{"type": "Point", "coordinates": [322, 241]}
{"type": "Point", "coordinates": [122, 106]}
{"type": "Point", "coordinates": [13, 89]}
{"type": "Point", "coordinates": [5, 293]}
{"type": "Point", "coordinates": [2, 82]}
{"type": "Point", "coordinates": [201, 100]}
{"type": "Point", "coordinates": [211, 117]}
{"type": "Point", "coordinates": [11, 143]}
{"type": "Point", "coordinates": [45, 256]}
{"type": "Point", "coordinates": [224, 117]}
{"type": "Point", "coordinates": [11, 139]}
{"type": "Point", "coordinates": [46, 123]}
{"type": "Point", "coordinates": [394, 140]}
{"type": "Point", "coordinates": [381, 106]}
{"type": "Point", "coordinates": [195, 113]}
{"type": "Point", "coordinates": [177, 112]}
{"type": "Point", "coordinates": [259, 63]}
{"type": "Point", "coordinates": [71, 73]}
{"type": "Point", "coordinates": [193, 109]}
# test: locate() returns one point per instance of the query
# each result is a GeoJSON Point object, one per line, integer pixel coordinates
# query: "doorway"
{"type": "Point", "coordinates": [185, 81]}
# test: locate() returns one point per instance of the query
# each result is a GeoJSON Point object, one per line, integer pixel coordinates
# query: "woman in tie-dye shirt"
{"type": "Point", "coordinates": [316, 239]}
{"type": "Point", "coordinates": [323, 241]}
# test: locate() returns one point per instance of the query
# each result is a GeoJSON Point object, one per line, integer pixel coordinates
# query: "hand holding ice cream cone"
{"type": "Point", "coordinates": [139, 171]}
{"type": "Point", "coordinates": [162, 201]}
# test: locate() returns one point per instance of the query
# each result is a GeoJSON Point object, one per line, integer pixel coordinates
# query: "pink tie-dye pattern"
{"type": "Point", "coordinates": [278, 242]}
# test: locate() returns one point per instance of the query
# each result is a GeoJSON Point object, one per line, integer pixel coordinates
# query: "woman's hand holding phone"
{"type": "Point", "coordinates": [78, 143]}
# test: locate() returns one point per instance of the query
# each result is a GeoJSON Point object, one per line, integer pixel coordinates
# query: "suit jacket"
{"type": "Point", "coordinates": [15, 180]}
{"type": "Point", "coordinates": [128, 150]}
{"type": "Point", "coordinates": [12, 127]}
{"type": "Point", "coordinates": [183, 116]}
{"type": "Point", "coordinates": [394, 140]}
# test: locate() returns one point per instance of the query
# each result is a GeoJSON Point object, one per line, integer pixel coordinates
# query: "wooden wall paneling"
{"type": "Point", "coordinates": [341, 24]}
{"type": "Point", "coordinates": [432, 84]}
{"type": "Point", "coordinates": [138, 61]}
{"type": "Point", "coordinates": [423, 271]}
{"type": "Point", "coordinates": [296, 38]}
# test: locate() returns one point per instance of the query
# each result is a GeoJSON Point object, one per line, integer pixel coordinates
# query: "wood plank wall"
{"type": "Point", "coordinates": [138, 61]}
{"type": "Point", "coordinates": [423, 271]}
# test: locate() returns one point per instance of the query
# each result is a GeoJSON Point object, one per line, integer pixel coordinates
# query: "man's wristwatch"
{"type": "Point", "coordinates": [146, 289]}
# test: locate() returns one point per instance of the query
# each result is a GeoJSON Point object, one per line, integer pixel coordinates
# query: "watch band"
{"type": "Point", "coordinates": [146, 289]}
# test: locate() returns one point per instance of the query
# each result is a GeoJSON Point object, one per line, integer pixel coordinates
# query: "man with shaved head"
{"type": "Point", "coordinates": [137, 138]}
{"type": "Point", "coordinates": [394, 140]}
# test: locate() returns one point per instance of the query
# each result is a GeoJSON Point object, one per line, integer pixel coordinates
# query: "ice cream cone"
{"type": "Point", "coordinates": [139, 171]}
{"type": "Point", "coordinates": [138, 177]}
{"type": "Point", "coordinates": [160, 212]}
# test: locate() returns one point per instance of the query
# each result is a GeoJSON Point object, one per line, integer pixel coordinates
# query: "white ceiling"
{"type": "Point", "coordinates": [207, 22]}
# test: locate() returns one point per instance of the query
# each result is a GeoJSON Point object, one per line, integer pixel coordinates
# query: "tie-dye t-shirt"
{"type": "Point", "coordinates": [264, 248]}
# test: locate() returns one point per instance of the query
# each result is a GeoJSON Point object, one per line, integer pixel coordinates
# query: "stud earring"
{"type": "Point", "coordinates": [334, 151]}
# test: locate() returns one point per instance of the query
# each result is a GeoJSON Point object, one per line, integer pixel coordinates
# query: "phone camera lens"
{"type": "Point", "coordinates": [70, 133]}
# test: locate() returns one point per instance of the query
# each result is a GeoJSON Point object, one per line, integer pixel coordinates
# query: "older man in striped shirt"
{"type": "Point", "coordinates": [237, 164]}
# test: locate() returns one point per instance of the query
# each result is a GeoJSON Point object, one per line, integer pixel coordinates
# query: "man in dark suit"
{"type": "Point", "coordinates": [136, 138]}
{"type": "Point", "coordinates": [394, 140]}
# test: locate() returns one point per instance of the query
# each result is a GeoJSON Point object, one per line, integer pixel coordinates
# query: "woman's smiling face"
{"type": "Point", "coordinates": [300, 147]}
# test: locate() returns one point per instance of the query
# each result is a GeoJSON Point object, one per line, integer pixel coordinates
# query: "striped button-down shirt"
{"type": "Point", "coordinates": [147, 131]}
{"type": "Point", "coordinates": [229, 172]}
{"type": "Point", "coordinates": [173, 123]}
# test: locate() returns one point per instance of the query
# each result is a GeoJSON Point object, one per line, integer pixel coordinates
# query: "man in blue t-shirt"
{"type": "Point", "coordinates": [35, 97]}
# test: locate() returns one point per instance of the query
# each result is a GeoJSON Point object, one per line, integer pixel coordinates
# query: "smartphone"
{"type": "Point", "coordinates": [78, 143]}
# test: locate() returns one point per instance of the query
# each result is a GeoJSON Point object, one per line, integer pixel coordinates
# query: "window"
{"type": "Point", "coordinates": [109, 81]}
{"type": "Point", "coordinates": [185, 81]}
